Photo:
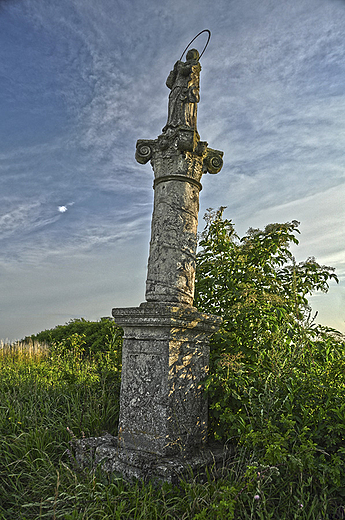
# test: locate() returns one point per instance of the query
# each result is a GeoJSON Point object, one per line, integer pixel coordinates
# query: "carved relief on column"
{"type": "Point", "coordinates": [171, 265]}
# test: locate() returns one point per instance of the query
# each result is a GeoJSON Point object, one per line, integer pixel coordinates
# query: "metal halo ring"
{"type": "Point", "coordinates": [195, 37]}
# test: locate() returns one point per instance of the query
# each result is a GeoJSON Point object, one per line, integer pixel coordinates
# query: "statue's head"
{"type": "Point", "coordinates": [192, 54]}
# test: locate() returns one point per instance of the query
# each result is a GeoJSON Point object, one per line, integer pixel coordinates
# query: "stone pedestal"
{"type": "Point", "coordinates": [105, 452]}
{"type": "Point", "coordinates": [163, 410]}
{"type": "Point", "coordinates": [162, 431]}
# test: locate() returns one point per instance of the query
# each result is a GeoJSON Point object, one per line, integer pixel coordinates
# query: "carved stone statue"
{"type": "Point", "coordinates": [163, 412]}
{"type": "Point", "coordinates": [183, 81]}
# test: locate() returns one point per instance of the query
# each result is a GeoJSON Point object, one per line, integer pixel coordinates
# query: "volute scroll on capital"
{"type": "Point", "coordinates": [213, 161]}
{"type": "Point", "coordinates": [144, 150]}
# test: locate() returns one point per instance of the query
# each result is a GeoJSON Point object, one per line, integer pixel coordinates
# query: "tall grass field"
{"type": "Point", "coordinates": [50, 394]}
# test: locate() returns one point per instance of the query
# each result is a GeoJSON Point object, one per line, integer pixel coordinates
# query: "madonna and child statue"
{"type": "Point", "coordinates": [183, 82]}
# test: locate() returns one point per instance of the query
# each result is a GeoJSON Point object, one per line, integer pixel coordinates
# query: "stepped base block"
{"type": "Point", "coordinates": [131, 464]}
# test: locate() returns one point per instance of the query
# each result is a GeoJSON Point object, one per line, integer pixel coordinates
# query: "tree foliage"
{"type": "Point", "coordinates": [276, 384]}
{"type": "Point", "coordinates": [255, 284]}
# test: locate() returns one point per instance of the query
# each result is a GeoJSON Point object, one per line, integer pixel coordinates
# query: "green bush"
{"type": "Point", "coordinates": [277, 381]}
{"type": "Point", "coordinates": [97, 335]}
{"type": "Point", "coordinates": [276, 393]}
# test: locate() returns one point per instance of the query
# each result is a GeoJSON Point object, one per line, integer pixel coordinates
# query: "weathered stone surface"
{"type": "Point", "coordinates": [164, 359]}
{"type": "Point", "coordinates": [171, 266]}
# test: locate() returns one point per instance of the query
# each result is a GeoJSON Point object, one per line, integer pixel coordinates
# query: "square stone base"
{"type": "Point", "coordinates": [132, 464]}
{"type": "Point", "coordinates": [165, 355]}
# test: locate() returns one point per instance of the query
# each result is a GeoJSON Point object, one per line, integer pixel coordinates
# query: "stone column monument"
{"type": "Point", "coordinates": [163, 410]}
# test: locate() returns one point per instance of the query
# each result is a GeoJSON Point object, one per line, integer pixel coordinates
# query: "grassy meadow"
{"type": "Point", "coordinates": [51, 394]}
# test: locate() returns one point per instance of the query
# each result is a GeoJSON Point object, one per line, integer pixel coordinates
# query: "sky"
{"type": "Point", "coordinates": [81, 81]}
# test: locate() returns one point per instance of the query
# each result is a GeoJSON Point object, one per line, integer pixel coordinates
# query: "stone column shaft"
{"type": "Point", "coordinates": [171, 265]}
{"type": "Point", "coordinates": [179, 160]}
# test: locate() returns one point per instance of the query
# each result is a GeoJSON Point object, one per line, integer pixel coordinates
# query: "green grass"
{"type": "Point", "coordinates": [46, 394]}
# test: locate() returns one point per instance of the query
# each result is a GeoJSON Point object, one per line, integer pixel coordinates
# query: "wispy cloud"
{"type": "Point", "coordinates": [24, 219]}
